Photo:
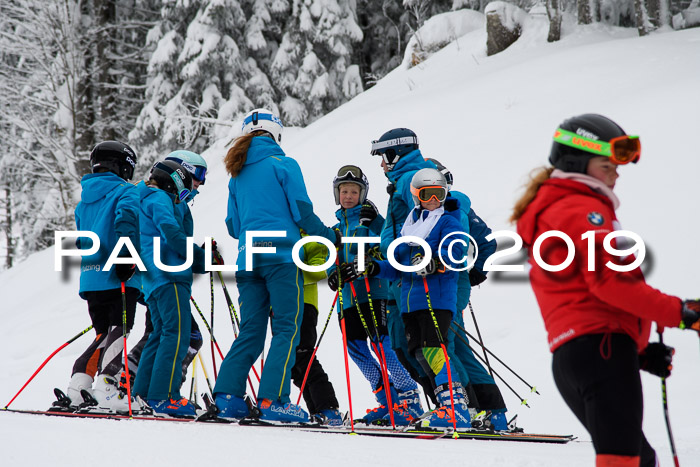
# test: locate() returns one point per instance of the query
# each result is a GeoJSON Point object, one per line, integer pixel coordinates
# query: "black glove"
{"type": "Point", "coordinates": [215, 255]}
{"type": "Point", "coordinates": [347, 274]}
{"type": "Point", "coordinates": [656, 359]}
{"type": "Point", "coordinates": [430, 268]}
{"type": "Point", "coordinates": [371, 268]}
{"type": "Point", "coordinates": [338, 238]}
{"type": "Point", "coordinates": [333, 281]}
{"type": "Point", "coordinates": [690, 315]}
{"type": "Point", "coordinates": [124, 272]}
{"type": "Point", "coordinates": [476, 277]}
{"type": "Point", "coordinates": [368, 212]}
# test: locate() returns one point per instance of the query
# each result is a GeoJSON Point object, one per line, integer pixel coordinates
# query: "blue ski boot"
{"type": "Point", "coordinates": [175, 408]}
{"type": "Point", "coordinates": [378, 413]}
{"type": "Point", "coordinates": [278, 412]}
{"type": "Point", "coordinates": [328, 417]}
{"type": "Point", "coordinates": [443, 417]}
{"type": "Point", "coordinates": [231, 406]}
{"type": "Point", "coordinates": [407, 407]}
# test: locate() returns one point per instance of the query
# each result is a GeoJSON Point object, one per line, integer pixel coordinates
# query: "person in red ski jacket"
{"type": "Point", "coordinates": [598, 321]}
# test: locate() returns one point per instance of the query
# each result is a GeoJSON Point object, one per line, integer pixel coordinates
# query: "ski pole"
{"type": "Point", "coordinates": [345, 340]}
{"type": "Point", "coordinates": [522, 401]}
{"type": "Point", "coordinates": [313, 354]}
{"type": "Point", "coordinates": [70, 341]}
{"type": "Point", "coordinates": [231, 309]}
{"type": "Point", "coordinates": [382, 363]}
{"type": "Point", "coordinates": [481, 341]}
{"type": "Point", "coordinates": [126, 354]}
{"type": "Point", "coordinates": [211, 339]}
{"type": "Point", "coordinates": [664, 397]}
{"type": "Point", "coordinates": [206, 377]}
{"type": "Point", "coordinates": [234, 316]}
{"type": "Point", "coordinates": [193, 384]}
{"type": "Point", "coordinates": [444, 351]}
{"type": "Point", "coordinates": [532, 388]}
{"type": "Point", "coordinates": [211, 334]}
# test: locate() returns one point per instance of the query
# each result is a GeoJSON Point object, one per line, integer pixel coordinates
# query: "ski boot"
{"type": "Point", "coordinates": [276, 411]}
{"type": "Point", "coordinates": [444, 416]}
{"type": "Point", "coordinates": [407, 407]}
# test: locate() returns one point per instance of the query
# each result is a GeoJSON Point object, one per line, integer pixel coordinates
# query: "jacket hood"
{"type": "Point", "coordinates": [146, 191]}
{"type": "Point", "coordinates": [410, 162]}
{"type": "Point", "coordinates": [262, 147]}
{"type": "Point", "coordinates": [97, 186]}
{"type": "Point", "coordinates": [549, 193]}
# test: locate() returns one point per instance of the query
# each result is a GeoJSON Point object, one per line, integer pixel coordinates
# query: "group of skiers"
{"type": "Point", "coordinates": [404, 330]}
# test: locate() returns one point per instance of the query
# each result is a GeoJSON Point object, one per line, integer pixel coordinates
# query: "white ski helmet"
{"type": "Point", "coordinates": [265, 120]}
{"type": "Point", "coordinates": [428, 183]}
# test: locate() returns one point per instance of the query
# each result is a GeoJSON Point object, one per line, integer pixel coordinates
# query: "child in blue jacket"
{"type": "Point", "coordinates": [109, 208]}
{"type": "Point", "coordinates": [158, 378]}
{"type": "Point", "coordinates": [429, 295]}
{"type": "Point", "coordinates": [358, 217]}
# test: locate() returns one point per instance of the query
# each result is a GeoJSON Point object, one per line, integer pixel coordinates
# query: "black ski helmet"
{"type": "Point", "coordinates": [173, 178]}
{"type": "Point", "coordinates": [116, 157]}
{"type": "Point", "coordinates": [394, 144]}
{"type": "Point", "coordinates": [591, 126]}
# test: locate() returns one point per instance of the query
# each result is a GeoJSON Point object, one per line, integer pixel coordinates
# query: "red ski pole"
{"type": "Point", "coordinates": [345, 341]}
{"type": "Point", "coordinates": [126, 354]}
{"type": "Point", "coordinates": [74, 338]}
{"type": "Point", "coordinates": [313, 354]}
{"type": "Point", "coordinates": [444, 351]}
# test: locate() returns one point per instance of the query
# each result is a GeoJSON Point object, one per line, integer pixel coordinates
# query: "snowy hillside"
{"type": "Point", "coordinates": [488, 119]}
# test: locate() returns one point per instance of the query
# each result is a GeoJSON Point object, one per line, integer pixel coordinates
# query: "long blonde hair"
{"type": "Point", "coordinates": [238, 153]}
{"type": "Point", "coordinates": [537, 178]}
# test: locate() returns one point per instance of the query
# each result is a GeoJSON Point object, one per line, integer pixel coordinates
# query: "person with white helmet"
{"type": "Point", "coordinates": [429, 295]}
{"type": "Point", "coordinates": [266, 193]}
{"type": "Point", "coordinates": [485, 397]}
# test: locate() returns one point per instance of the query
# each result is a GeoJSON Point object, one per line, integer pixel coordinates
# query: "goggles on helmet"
{"type": "Point", "coordinates": [198, 172]}
{"type": "Point", "coordinates": [426, 193]}
{"type": "Point", "coordinates": [621, 149]}
{"type": "Point", "coordinates": [349, 171]}
{"type": "Point", "coordinates": [379, 147]}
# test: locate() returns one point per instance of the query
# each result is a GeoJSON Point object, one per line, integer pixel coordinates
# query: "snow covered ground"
{"type": "Point", "coordinates": [490, 120]}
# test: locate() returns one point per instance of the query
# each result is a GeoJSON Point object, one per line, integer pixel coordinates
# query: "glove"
{"type": "Point", "coordinates": [333, 281]}
{"type": "Point", "coordinates": [368, 212]}
{"type": "Point", "coordinates": [124, 272]}
{"type": "Point", "coordinates": [656, 359]}
{"type": "Point", "coordinates": [690, 315]}
{"type": "Point", "coordinates": [338, 238]}
{"type": "Point", "coordinates": [371, 268]}
{"type": "Point", "coordinates": [476, 277]}
{"type": "Point", "coordinates": [215, 255]}
{"type": "Point", "coordinates": [430, 268]}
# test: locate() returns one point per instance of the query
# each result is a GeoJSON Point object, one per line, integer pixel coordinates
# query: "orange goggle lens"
{"type": "Point", "coordinates": [426, 193]}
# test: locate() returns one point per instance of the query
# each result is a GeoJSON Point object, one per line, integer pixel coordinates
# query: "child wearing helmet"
{"type": "Point", "coordinates": [429, 295]}
{"type": "Point", "coordinates": [358, 217]}
{"type": "Point", "coordinates": [598, 321]}
{"type": "Point", "coordinates": [167, 293]}
{"type": "Point", "coordinates": [484, 395]}
{"type": "Point", "coordinates": [196, 165]}
{"type": "Point", "coordinates": [109, 208]}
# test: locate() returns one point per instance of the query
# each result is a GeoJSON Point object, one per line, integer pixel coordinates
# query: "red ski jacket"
{"type": "Point", "coordinates": [576, 301]}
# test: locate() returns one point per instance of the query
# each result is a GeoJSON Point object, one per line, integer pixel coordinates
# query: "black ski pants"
{"type": "Point", "coordinates": [318, 390]}
{"type": "Point", "coordinates": [598, 377]}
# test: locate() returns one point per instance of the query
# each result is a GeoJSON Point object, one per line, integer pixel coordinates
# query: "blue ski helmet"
{"type": "Point", "coordinates": [192, 161]}
{"type": "Point", "coordinates": [394, 144]}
